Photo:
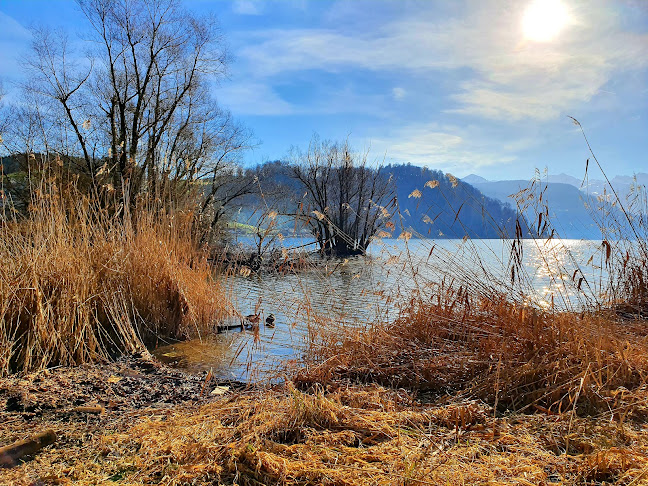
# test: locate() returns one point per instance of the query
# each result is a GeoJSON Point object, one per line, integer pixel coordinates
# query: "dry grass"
{"type": "Point", "coordinates": [512, 356]}
{"type": "Point", "coordinates": [352, 436]}
{"type": "Point", "coordinates": [77, 284]}
{"type": "Point", "coordinates": [480, 333]}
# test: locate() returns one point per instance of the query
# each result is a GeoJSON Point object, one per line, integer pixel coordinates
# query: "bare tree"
{"type": "Point", "coordinates": [154, 59]}
{"type": "Point", "coordinates": [138, 112]}
{"type": "Point", "coordinates": [3, 119]}
{"type": "Point", "coordinates": [55, 101]}
{"type": "Point", "coordinates": [346, 201]}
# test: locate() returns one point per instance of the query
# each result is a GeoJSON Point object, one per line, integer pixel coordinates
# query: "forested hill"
{"type": "Point", "coordinates": [9, 165]}
{"type": "Point", "coordinates": [436, 205]}
{"type": "Point", "coordinates": [443, 207]}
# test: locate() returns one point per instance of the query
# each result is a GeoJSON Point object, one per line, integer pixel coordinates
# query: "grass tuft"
{"type": "Point", "coordinates": [512, 356]}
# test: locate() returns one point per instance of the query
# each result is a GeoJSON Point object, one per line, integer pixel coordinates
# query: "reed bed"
{"type": "Point", "coordinates": [474, 332]}
{"type": "Point", "coordinates": [468, 332]}
{"type": "Point", "coordinates": [513, 357]}
{"type": "Point", "coordinates": [80, 284]}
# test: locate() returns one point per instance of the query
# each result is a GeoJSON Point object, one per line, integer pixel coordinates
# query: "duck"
{"type": "Point", "coordinates": [253, 320]}
{"type": "Point", "coordinates": [270, 320]}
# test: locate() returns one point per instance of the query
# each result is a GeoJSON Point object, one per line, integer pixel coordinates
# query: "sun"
{"type": "Point", "coordinates": [544, 19]}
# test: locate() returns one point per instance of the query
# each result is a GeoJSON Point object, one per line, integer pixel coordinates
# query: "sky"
{"type": "Point", "coordinates": [461, 86]}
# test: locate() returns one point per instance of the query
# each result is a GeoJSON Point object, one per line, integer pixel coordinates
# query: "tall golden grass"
{"type": "Point", "coordinates": [78, 284]}
{"type": "Point", "coordinates": [513, 357]}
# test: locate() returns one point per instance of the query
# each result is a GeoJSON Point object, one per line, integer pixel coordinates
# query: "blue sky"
{"type": "Point", "coordinates": [453, 85]}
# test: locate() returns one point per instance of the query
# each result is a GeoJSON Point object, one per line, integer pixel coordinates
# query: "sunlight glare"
{"type": "Point", "coordinates": [544, 19]}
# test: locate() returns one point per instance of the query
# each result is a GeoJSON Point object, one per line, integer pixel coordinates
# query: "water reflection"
{"type": "Point", "coordinates": [359, 291]}
{"type": "Point", "coordinates": [218, 352]}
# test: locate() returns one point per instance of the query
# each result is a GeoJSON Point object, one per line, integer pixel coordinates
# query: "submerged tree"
{"type": "Point", "coordinates": [346, 201]}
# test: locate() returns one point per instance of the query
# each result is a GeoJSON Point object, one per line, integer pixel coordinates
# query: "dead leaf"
{"type": "Point", "coordinates": [220, 390]}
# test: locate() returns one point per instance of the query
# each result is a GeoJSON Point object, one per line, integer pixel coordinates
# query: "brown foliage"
{"type": "Point", "coordinates": [512, 356]}
{"type": "Point", "coordinates": [77, 284]}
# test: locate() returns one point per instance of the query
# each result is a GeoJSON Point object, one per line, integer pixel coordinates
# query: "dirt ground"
{"type": "Point", "coordinates": [82, 403]}
{"type": "Point", "coordinates": [158, 425]}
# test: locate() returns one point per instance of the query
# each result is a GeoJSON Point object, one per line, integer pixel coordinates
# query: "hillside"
{"type": "Point", "coordinates": [442, 210]}
{"type": "Point", "coordinates": [10, 165]}
{"type": "Point", "coordinates": [447, 207]}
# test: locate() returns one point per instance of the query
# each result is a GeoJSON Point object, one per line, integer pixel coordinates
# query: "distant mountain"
{"type": "Point", "coordinates": [567, 205]}
{"type": "Point", "coordinates": [473, 179]}
{"type": "Point", "coordinates": [565, 179]}
{"type": "Point", "coordinates": [594, 186]}
{"type": "Point", "coordinates": [625, 186]}
{"type": "Point", "coordinates": [436, 205]}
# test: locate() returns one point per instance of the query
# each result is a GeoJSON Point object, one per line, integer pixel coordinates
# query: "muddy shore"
{"type": "Point", "coordinates": [78, 403]}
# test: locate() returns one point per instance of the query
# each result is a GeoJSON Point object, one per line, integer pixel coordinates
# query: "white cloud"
{"type": "Point", "coordinates": [14, 39]}
{"type": "Point", "coordinates": [253, 98]}
{"type": "Point", "coordinates": [543, 101]}
{"type": "Point", "coordinates": [508, 77]}
{"type": "Point", "coordinates": [460, 149]}
{"type": "Point", "coordinates": [398, 93]}
{"type": "Point", "coordinates": [247, 7]}
{"type": "Point", "coordinates": [258, 97]}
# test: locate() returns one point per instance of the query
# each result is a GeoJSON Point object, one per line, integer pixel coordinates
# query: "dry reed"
{"type": "Point", "coordinates": [513, 356]}
{"type": "Point", "coordinates": [78, 284]}
{"type": "Point", "coordinates": [474, 333]}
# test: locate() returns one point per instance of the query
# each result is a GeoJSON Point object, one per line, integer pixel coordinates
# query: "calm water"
{"type": "Point", "coordinates": [363, 290]}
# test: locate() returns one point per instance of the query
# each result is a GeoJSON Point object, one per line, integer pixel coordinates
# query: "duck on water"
{"type": "Point", "coordinates": [251, 321]}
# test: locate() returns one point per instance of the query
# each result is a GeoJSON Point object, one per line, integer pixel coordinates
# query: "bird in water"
{"type": "Point", "coordinates": [252, 321]}
{"type": "Point", "coordinates": [270, 320]}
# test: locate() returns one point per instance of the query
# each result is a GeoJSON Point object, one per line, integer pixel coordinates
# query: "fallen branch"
{"type": "Point", "coordinates": [9, 455]}
{"type": "Point", "coordinates": [94, 409]}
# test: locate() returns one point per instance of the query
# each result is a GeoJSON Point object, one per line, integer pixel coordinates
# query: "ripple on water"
{"type": "Point", "coordinates": [356, 292]}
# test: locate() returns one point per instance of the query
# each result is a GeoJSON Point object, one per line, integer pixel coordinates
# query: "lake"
{"type": "Point", "coordinates": [360, 291]}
